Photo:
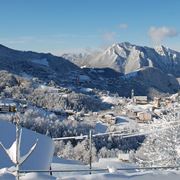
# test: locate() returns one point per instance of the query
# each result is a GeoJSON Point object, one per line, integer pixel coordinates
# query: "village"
{"type": "Point", "coordinates": [84, 102]}
{"type": "Point", "coordinates": [140, 109]}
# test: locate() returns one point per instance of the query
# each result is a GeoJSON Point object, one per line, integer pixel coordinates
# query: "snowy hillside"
{"type": "Point", "coordinates": [44, 66]}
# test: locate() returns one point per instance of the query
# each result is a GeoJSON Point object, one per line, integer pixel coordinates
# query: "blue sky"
{"type": "Point", "coordinates": [60, 26]}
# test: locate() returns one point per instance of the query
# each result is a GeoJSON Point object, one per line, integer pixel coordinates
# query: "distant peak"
{"type": "Point", "coordinates": [122, 45]}
{"type": "Point", "coordinates": [117, 45]}
{"type": "Point", "coordinates": [161, 49]}
{"type": "Point", "coordinates": [125, 44]}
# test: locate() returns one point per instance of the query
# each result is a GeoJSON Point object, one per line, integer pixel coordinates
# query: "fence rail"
{"type": "Point", "coordinates": [103, 169]}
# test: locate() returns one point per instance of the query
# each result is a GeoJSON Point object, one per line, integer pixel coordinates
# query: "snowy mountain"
{"type": "Point", "coordinates": [77, 59]}
{"type": "Point", "coordinates": [125, 58]}
{"type": "Point", "coordinates": [116, 70]}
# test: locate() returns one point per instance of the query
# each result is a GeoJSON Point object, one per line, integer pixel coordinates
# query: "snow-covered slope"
{"type": "Point", "coordinates": [41, 156]}
{"type": "Point", "coordinates": [122, 176]}
{"type": "Point", "coordinates": [153, 77]}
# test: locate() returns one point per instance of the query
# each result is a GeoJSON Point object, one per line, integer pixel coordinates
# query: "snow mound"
{"type": "Point", "coordinates": [41, 156]}
{"type": "Point", "coordinates": [39, 176]}
{"type": "Point", "coordinates": [113, 163]}
{"type": "Point", "coordinates": [131, 176]}
{"type": "Point", "coordinates": [28, 176]}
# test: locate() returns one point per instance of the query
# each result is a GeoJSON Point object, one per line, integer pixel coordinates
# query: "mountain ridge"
{"type": "Point", "coordinates": [130, 68]}
{"type": "Point", "coordinates": [126, 57]}
{"type": "Point", "coordinates": [42, 65]}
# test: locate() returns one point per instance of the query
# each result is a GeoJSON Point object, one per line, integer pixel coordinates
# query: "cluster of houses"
{"type": "Point", "coordinates": [7, 105]}
{"type": "Point", "coordinates": [140, 109]}
{"type": "Point", "coordinates": [7, 108]}
{"type": "Point", "coordinates": [143, 110]}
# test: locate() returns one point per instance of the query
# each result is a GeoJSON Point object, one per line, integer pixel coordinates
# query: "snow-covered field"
{"type": "Point", "coordinates": [112, 173]}
{"type": "Point", "coordinates": [134, 176]}
{"type": "Point", "coordinates": [42, 158]}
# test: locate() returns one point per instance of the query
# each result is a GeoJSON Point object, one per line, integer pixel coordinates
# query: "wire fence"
{"type": "Point", "coordinates": [118, 133]}
{"type": "Point", "coordinates": [103, 169]}
{"type": "Point", "coordinates": [114, 133]}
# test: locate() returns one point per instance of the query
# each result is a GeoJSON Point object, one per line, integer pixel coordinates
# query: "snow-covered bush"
{"type": "Point", "coordinates": [79, 152]}
{"type": "Point", "coordinates": [101, 148]}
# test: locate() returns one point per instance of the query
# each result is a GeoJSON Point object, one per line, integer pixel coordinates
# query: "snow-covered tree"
{"type": "Point", "coordinates": [161, 148]}
{"type": "Point", "coordinates": [82, 151]}
{"type": "Point", "coordinates": [107, 153]}
{"type": "Point", "coordinates": [68, 152]}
